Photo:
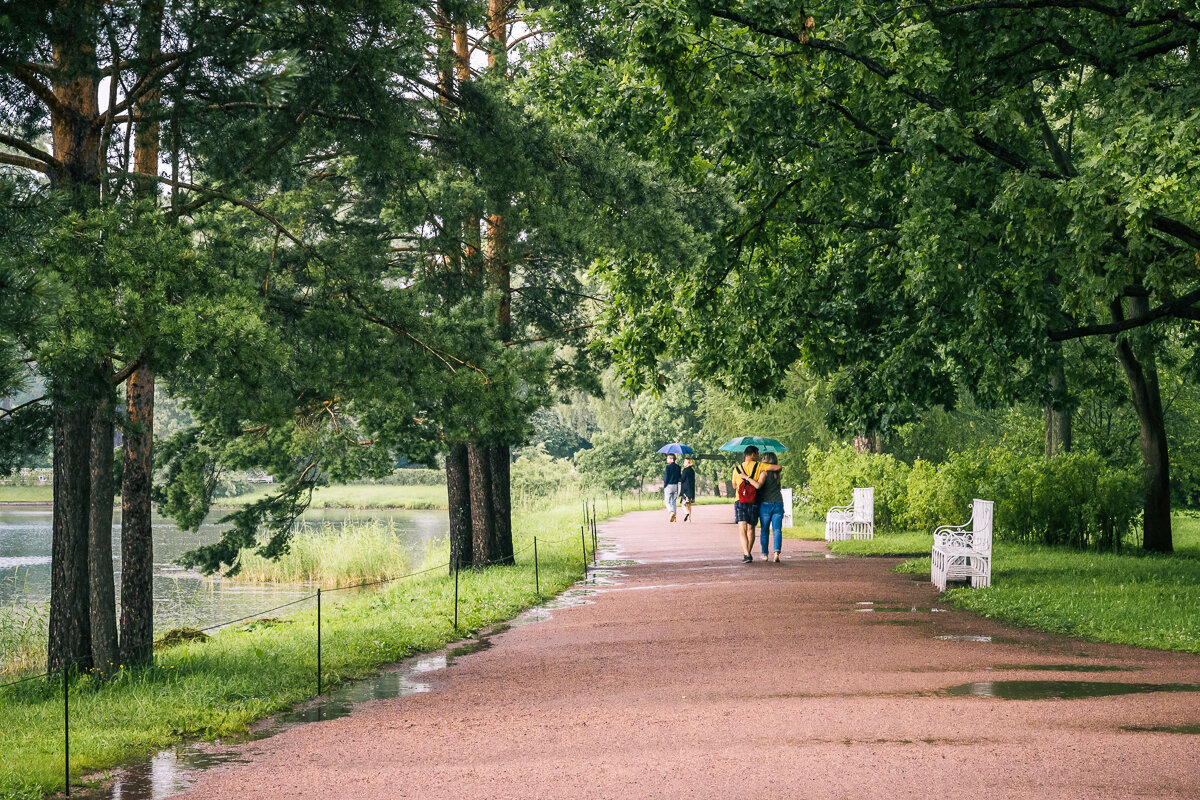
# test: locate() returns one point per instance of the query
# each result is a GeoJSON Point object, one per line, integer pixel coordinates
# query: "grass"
{"type": "Point", "coordinates": [23, 640]}
{"type": "Point", "coordinates": [1143, 600]}
{"type": "Point", "coordinates": [359, 496]}
{"type": "Point", "coordinates": [890, 543]}
{"type": "Point", "coordinates": [243, 674]}
{"type": "Point", "coordinates": [333, 555]}
{"type": "Point", "coordinates": [26, 494]}
{"type": "Point", "coordinates": [1123, 598]}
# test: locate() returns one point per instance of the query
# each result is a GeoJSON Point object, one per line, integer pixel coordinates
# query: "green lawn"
{"type": "Point", "coordinates": [26, 494]}
{"type": "Point", "coordinates": [243, 674]}
{"type": "Point", "coordinates": [1145, 600]}
{"type": "Point", "coordinates": [890, 543]}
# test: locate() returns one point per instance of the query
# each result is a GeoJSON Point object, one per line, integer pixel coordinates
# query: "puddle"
{"type": "Point", "coordinates": [899, 609]}
{"type": "Point", "coordinates": [1187, 730]}
{"type": "Point", "coordinates": [1061, 690]}
{"type": "Point", "coordinates": [1059, 667]}
{"type": "Point", "coordinates": [963, 638]}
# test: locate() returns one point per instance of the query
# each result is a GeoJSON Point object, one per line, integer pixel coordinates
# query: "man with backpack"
{"type": "Point", "coordinates": [747, 479]}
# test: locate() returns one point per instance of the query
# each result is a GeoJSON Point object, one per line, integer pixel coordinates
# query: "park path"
{"type": "Point", "coordinates": [695, 676]}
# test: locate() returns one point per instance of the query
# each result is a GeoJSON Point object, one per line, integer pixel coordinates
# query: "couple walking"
{"type": "Point", "coordinates": [759, 501]}
{"type": "Point", "coordinates": [679, 485]}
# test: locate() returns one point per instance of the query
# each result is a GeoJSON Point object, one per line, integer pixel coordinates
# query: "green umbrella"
{"type": "Point", "coordinates": [763, 444]}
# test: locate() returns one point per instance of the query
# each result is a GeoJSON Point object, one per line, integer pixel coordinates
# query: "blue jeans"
{"type": "Point", "coordinates": [771, 514]}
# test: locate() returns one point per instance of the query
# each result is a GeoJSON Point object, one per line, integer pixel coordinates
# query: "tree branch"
{"type": "Point", "coordinates": [1181, 307]}
{"type": "Point", "coordinates": [8, 412]}
{"type": "Point", "coordinates": [22, 146]}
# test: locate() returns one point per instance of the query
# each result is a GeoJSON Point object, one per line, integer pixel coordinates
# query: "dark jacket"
{"type": "Point", "coordinates": [687, 485]}
{"type": "Point", "coordinates": [672, 474]}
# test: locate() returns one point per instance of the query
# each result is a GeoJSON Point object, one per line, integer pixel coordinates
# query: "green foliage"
{"type": "Point", "coordinates": [835, 472]}
{"type": "Point", "coordinates": [538, 478]}
{"type": "Point", "coordinates": [915, 200]}
{"type": "Point", "coordinates": [1074, 499]}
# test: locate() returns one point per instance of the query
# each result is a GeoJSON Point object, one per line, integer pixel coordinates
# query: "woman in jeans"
{"type": "Point", "coordinates": [771, 511]}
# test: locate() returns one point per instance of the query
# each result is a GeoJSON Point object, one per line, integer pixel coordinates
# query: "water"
{"type": "Point", "coordinates": [182, 597]}
{"type": "Point", "coordinates": [1062, 690]}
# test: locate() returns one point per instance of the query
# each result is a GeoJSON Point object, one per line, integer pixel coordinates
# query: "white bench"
{"type": "Point", "coordinates": [960, 554]}
{"type": "Point", "coordinates": [855, 521]}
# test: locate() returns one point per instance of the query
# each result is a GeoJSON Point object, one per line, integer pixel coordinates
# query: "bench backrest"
{"type": "Point", "coordinates": [981, 525]}
{"type": "Point", "coordinates": [864, 505]}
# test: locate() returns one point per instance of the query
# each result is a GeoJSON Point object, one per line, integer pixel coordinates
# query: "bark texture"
{"type": "Point", "coordinates": [137, 542]}
{"type": "Point", "coordinates": [70, 644]}
{"type": "Point", "coordinates": [102, 597]}
{"type": "Point", "coordinates": [458, 492]}
{"type": "Point", "coordinates": [1058, 410]}
{"type": "Point", "coordinates": [483, 525]}
{"type": "Point", "coordinates": [501, 469]}
{"type": "Point", "coordinates": [1141, 372]}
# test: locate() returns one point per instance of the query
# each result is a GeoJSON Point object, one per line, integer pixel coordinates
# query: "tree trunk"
{"type": "Point", "coordinates": [501, 465]}
{"type": "Point", "coordinates": [102, 599]}
{"type": "Point", "coordinates": [1141, 372]}
{"type": "Point", "coordinates": [137, 541]}
{"type": "Point", "coordinates": [1057, 409]}
{"type": "Point", "coordinates": [483, 526]}
{"type": "Point", "coordinates": [458, 492]}
{"type": "Point", "coordinates": [75, 137]}
{"type": "Point", "coordinates": [70, 643]}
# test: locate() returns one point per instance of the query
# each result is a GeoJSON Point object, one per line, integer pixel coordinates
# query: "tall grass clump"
{"type": "Point", "coordinates": [334, 554]}
{"type": "Point", "coordinates": [23, 640]}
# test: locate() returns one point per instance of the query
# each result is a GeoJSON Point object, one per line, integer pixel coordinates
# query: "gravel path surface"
{"type": "Point", "coordinates": [695, 676]}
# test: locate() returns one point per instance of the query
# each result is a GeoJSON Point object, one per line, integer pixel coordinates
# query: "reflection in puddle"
{"type": "Point", "coordinates": [898, 609]}
{"type": "Point", "coordinates": [1059, 667]}
{"type": "Point", "coordinates": [1061, 690]}
{"type": "Point", "coordinates": [963, 638]}
{"type": "Point", "coordinates": [1189, 730]}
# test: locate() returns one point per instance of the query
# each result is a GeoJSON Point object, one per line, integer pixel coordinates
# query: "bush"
{"type": "Point", "coordinates": [1075, 499]}
{"type": "Point", "coordinates": [834, 473]}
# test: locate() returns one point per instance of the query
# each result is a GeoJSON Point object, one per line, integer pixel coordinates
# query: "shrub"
{"type": "Point", "coordinates": [1075, 499]}
{"type": "Point", "coordinates": [834, 473]}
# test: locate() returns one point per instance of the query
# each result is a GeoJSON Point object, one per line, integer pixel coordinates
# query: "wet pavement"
{"type": "Point", "coordinates": [688, 674]}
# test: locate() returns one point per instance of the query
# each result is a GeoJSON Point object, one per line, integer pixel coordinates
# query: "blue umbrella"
{"type": "Point", "coordinates": [763, 444]}
{"type": "Point", "coordinates": [676, 448]}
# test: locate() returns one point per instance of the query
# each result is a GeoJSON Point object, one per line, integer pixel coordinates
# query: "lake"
{"type": "Point", "coordinates": [183, 597]}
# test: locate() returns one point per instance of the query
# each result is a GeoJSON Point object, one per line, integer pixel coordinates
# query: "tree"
{"type": "Point", "coordinates": [931, 196]}
{"type": "Point", "coordinates": [118, 255]}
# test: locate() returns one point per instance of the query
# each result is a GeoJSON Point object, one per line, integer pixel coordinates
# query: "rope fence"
{"type": "Point", "coordinates": [590, 526]}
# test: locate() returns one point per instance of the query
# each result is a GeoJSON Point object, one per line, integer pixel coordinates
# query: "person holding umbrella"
{"type": "Point", "coordinates": [748, 478]}
{"type": "Point", "coordinates": [672, 475]}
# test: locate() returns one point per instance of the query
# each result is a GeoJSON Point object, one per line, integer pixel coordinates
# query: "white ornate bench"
{"type": "Point", "coordinates": [855, 521]}
{"type": "Point", "coordinates": [961, 554]}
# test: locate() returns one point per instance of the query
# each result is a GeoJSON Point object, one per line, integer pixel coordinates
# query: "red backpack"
{"type": "Point", "coordinates": [746, 491]}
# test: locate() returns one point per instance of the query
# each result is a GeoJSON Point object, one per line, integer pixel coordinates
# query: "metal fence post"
{"type": "Point", "coordinates": [66, 734]}
{"type": "Point", "coordinates": [456, 594]}
{"type": "Point", "coordinates": [318, 640]}
{"type": "Point", "coordinates": [583, 544]}
{"type": "Point", "coordinates": [537, 581]}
